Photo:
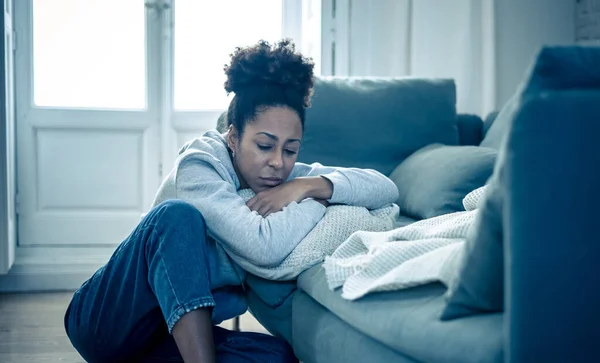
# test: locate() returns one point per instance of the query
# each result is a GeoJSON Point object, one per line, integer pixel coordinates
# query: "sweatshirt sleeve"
{"type": "Point", "coordinates": [353, 186]}
{"type": "Point", "coordinates": [261, 241]}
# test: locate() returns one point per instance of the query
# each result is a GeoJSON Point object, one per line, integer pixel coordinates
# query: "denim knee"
{"type": "Point", "coordinates": [172, 212]}
{"type": "Point", "coordinates": [177, 209]}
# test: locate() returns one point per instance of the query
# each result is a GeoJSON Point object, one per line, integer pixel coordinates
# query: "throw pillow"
{"type": "Point", "coordinates": [338, 223]}
{"type": "Point", "coordinates": [478, 286]}
{"type": "Point", "coordinates": [435, 179]}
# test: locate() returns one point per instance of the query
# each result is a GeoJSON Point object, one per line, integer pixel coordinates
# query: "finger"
{"type": "Point", "coordinates": [264, 210]}
{"type": "Point", "coordinates": [251, 202]}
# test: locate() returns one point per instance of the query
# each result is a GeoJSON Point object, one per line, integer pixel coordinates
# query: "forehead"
{"type": "Point", "coordinates": [279, 121]}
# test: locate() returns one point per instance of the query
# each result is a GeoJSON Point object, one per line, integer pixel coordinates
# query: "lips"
{"type": "Point", "coordinates": [272, 181]}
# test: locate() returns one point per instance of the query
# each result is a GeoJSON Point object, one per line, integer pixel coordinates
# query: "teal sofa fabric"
{"type": "Point", "coordinates": [553, 250]}
{"type": "Point", "coordinates": [377, 122]}
{"type": "Point", "coordinates": [408, 321]}
{"type": "Point", "coordinates": [320, 336]}
{"type": "Point", "coordinates": [480, 283]}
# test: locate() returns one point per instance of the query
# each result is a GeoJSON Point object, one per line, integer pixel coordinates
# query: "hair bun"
{"type": "Point", "coordinates": [263, 64]}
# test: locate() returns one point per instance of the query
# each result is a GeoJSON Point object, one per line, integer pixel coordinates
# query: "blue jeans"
{"type": "Point", "coordinates": [126, 311]}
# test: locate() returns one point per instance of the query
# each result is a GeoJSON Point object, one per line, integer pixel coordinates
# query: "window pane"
{"type": "Point", "coordinates": [89, 53]}
{"type": "Point", "coordinates": [206, 33]}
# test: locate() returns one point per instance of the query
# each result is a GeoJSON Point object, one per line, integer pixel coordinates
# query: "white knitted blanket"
{"type": "Point", "coordinates": [338, 223]}
{"type": "Point", "coordinates": [423, 252]}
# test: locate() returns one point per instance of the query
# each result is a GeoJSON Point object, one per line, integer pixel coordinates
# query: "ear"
{"type": "Point", "coordinates": [232, 137]}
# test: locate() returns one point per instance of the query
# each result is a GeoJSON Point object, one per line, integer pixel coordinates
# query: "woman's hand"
{"type": "Point", "coordinates": [275, 199]}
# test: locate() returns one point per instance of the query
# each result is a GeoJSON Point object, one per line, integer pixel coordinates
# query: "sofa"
{"type": "Point", "coordinates": [539, 300]}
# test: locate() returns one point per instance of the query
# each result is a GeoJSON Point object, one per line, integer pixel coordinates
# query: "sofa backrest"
{"type": "Point", "coordinates": [377, 122]}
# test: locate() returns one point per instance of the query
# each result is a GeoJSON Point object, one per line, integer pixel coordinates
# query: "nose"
{"type": "Point", "coordinates": [276, 161]}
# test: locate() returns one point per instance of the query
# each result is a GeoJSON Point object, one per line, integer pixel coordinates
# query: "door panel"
{"type": "Point", "coordinates": [88, 136]}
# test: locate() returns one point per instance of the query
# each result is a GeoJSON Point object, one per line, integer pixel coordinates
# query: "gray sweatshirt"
{"type": "Point", "coordinates": [203, 175]}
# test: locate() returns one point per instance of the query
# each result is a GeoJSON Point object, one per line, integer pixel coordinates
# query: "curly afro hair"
{"type": "Point", "coordinates": [265, 75]}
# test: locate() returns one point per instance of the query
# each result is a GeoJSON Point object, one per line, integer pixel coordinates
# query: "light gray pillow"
{"type": "Point", "coordinates": [338, 223]}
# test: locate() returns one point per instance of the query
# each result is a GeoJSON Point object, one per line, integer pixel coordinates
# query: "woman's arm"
{"type": "Point", "coordinates": [261, 241]}
{"type": "Point", "coordinates": [352, 186]}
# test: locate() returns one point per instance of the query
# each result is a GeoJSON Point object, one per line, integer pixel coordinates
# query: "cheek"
{"type": "Point", "coordinates": [289, 163]}
{"type": "Point", "coordinates": [254, 161]}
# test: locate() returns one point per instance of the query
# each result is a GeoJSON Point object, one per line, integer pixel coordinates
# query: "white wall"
{"type": "Point", "coordinates": [587, 22]}
{"type": "Point", "coordinates": [378, 38]}
{"type": "Point", "coordinates": [485, 45]}
{"type": "Point", "coordinates": [522, 27]}
{"type": "Point", "coordinates": [449, 40]}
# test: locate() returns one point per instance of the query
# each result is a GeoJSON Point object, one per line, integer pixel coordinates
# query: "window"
{"type": "Point", "coordinates": [89, 54]}
{"type": "Point", "coordinates": [205, 34]}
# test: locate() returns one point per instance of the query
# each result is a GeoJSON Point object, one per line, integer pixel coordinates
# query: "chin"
{"type": "Point", "coordinates": [258, 189]}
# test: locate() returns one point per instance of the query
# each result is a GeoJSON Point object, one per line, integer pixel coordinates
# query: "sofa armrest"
{"type": "Point", "coordinates": [552, 214]}
{"type": "Point", "coordinates": [470, 129]}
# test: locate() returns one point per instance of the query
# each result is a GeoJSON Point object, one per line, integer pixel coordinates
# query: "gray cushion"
{"type": "Point", "coordinates": [478, 286]}
{"type": "Point", "coordinates": [377, 123]}
{"type": "Point", "coordinates": [320, 336]}
{"type": "Point", "coordinates": [408, 321]}
{"type": "Point", "coordinates": [499, 127]}
{"type": "Point", "coordinates": [434, 180]}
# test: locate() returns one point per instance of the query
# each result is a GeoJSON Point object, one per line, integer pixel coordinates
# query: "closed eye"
{"type": "Point", "coordinates": [264, 147]}
{"type": "Point", "coordinates": [291, 152]}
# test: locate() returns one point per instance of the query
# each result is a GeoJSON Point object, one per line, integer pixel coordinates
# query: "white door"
{"type": "Point", "coordinates": [8, 226]}
{"type": "Point", "coordinates": [88, 119]}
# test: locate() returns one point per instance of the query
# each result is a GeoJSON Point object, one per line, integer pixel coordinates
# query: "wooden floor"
{"type": "Point", "coordinates": [31, 328]}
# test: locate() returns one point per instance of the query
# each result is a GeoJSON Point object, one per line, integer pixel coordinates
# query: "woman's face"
{"type": "Point", "coordinates": [265, 155]}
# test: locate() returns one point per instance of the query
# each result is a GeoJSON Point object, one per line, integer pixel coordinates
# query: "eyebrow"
{"type": "Point", "coordinates": [275, 138]}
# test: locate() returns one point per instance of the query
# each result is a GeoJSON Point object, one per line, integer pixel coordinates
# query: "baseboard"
{"type": "Point", "coordinates": [53, 268]}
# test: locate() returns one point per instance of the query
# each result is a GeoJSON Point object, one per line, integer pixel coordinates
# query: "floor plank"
{"type": "Point", "coordinates": [31, 328]}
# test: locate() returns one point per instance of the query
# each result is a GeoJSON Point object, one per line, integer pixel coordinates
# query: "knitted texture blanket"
{"type": "Point", "coordinates": [336, 226]}
{"type": "Point", "coordinates": [423, 252]}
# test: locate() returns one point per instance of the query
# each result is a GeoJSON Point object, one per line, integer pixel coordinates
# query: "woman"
{"type": "Point", "coordinates": [167, 286]}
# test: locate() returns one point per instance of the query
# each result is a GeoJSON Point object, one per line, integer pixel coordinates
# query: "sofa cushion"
{"type": "Point", "coordinates": [376, 123]}
{"type": "Point", "coordinates": [408, 321]}
{"type": "Point", "coordinates": [478, 286]}
{"type": "Point", "coordinates": [499, 126]}
{"type": "Point", "coordinates": [434, 180]}
{"type": "Point", "coordinates": [326, 338]}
